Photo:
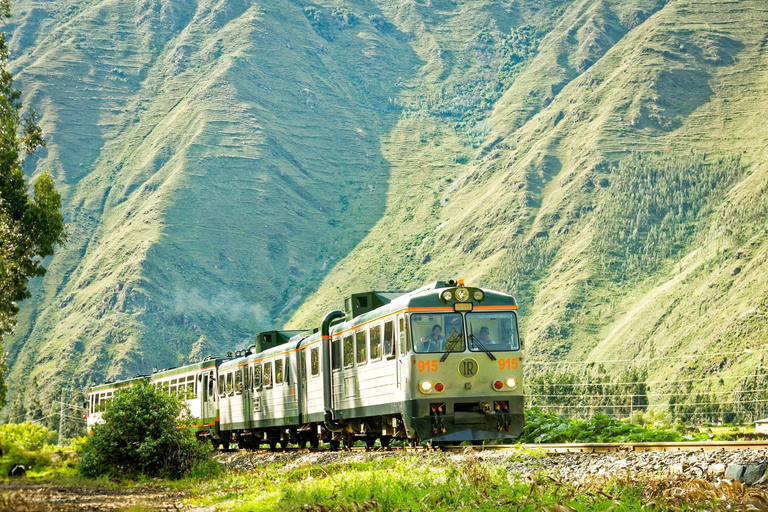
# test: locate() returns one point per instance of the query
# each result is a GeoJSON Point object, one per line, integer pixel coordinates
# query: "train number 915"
{"type": "Point", "coordinates": [508, 364]}
{"type": "Point", "coordinates": [428, 366]}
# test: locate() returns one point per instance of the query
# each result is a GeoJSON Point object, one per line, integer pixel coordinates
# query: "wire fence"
{"type": "Point", "coordinates": [618, 387]}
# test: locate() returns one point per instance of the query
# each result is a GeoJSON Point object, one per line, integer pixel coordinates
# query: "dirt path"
{"type": "Point", "coordinates": [28, 496]}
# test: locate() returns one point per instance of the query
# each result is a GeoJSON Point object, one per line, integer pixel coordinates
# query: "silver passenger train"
{"type": "Point", "coordinates": [440, 364]}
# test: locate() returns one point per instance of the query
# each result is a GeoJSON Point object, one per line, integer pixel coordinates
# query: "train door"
{"type": "Point", "coordinates": [302, 383]}
{"type": "Point", "coordinates": [247, 395]}
{"type": "Point", "coordinates": [402, 351]}
{"type": "Point", "coordinates": [208, 395]}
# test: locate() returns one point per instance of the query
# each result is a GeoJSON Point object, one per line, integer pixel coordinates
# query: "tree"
{"type": "Point", "coordinates": [29, 226]}
{"type": "Point", "coordinates": [140, 435]}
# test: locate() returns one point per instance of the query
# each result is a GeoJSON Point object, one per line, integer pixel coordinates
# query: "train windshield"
{"type": "Point", "coordinates": [492, 331]}
{"type": "Point", "coordinates": [439, 332]}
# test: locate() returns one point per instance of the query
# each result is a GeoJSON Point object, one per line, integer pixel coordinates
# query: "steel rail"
{"type": "Point", "coordinates": [688, 446]}
{"type": "Point", "coordinates": [558, 447]}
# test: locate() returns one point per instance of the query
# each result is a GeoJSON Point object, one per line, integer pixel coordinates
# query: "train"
{"type": "Point", "coordinates": [440, 364]}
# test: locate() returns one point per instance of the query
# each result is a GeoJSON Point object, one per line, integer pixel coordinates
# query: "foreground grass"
{"type": "Point", "coordinates": [432, 482]}
{"type": "Point", "coordinates": [386, 482]}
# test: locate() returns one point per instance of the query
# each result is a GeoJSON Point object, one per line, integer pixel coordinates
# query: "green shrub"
{"type": "Point", "coordinates": [140, 436]}
{"type": "Point", "coordinates": [32, 460]}
{"type": "Point", "coordinates": [542, 427]}
{"type": "Point", "coordinates": [26, 436]}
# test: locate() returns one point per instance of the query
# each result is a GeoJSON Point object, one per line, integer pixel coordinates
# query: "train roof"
{"type": "Point", "coordinates": [109, 386]}
{"type": "Point", "coordinates": [429, 298]}
{"type": "Point", "coordinates": [210, 362]}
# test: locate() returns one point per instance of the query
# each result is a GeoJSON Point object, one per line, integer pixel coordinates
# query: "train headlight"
{"type": "Point", "coordinates": [447, 296]}
{"type": "Point", "coordinates": [462, 294]}
{"type": "Point", "coordinates": [425, 386]}
{"type": "Point", "coordinates": [479, 295]}
{"type": "Point", "coordinates": [511, 382]}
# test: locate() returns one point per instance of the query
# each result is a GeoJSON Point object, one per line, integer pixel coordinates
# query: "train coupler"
{"type": "Point", "coordinates": [437, 415]}
{"type": "Point", "coordinates": [503, 420]}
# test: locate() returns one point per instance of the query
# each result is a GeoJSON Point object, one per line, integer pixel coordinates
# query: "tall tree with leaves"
{"type": "Point", "coordinates": [30, 226]}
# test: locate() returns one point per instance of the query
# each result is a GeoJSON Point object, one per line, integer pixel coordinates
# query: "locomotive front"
{"type": "Point", "coordinates": [465, 365]}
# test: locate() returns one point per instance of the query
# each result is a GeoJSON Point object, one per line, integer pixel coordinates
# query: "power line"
{"type": "Point", "coordinates": [612, 395]}
{"type": "Point", "coordinates": [662, 358]}
{"type": "Point", "coordinates": [661, 404]}
{"type": "Point", "coordinates": [647, 382]}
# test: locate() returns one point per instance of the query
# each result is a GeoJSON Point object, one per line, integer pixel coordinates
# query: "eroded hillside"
{"type": "Point", "coordinates": [228, 166]}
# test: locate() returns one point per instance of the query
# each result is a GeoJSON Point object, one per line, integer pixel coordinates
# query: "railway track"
{"type": "Point", "coordinates": [690, 446]}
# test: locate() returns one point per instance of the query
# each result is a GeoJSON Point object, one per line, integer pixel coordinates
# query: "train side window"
{"type": "Point", "coordinates": [190, 387]}
{"type": "Point", "coordinates": [360, 348]}
{"type": "Point", "coordinates": [257, 375]}
{"type": "Point", "coordinates": [230, 383]}
{"type": "Point", "coordinates": [389, 339]}
{"type": "Point", "coordinates": [266, 374]}
{"type": "Point", "coordinates": [336, 354]}
{"type": "Point", "coordinates": [222, 389]}
{"type": "Point", "coordinates": [238, 381]}
{"type": "Point", "coordinates": [349, 352]}
{"type": "Point", "coordinates": [287, 370]}
{"type": "Point", "coordinates": [303, 364]}
{"type": "Point", "coordinates": [211, 387]}
{"type": "Point", "coordinates": [278, 371]}
{"type": "Point", "coordinates": [247, 377]}
{"type": "Point", "coordinates": [404, 336]}
{"type": "Point", "coordinates": [315, 361]}
{"type": "Point", "coordinates": [375, 335]}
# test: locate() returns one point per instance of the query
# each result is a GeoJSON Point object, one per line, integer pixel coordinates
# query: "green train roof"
{"type": "Point", "coordinates": [202, 365]}
{"type": "Point", "coordinates": [108, 386]}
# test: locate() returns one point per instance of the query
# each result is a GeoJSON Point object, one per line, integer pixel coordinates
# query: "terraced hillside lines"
{"type": "Point", "coordinates": [217, 192]}
{"type": "Point", "coordinates": [233, 166]}
{"type": "Point", "coordinates": [681, 80]}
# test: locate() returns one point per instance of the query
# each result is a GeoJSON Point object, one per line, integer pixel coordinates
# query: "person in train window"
{"type": "Point", "coordinates": [388, 348]}
{"type": "Point", "coordinates": [485, 336]}
{"type": "Point", "coordinates": [435, 342]}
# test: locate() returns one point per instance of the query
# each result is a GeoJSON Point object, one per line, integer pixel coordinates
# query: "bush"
{"type": "Point", "coordinates": [140, 436]}
{"type": "Point", "coordinates": [26, 436]}
{"type": "Point", "coordinates": [542, 427]}
{"type": "Point", "coordinates": [32, 460]}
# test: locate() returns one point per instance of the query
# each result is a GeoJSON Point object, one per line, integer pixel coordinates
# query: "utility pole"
{"type": "Point", "coordinates": [61, 414]}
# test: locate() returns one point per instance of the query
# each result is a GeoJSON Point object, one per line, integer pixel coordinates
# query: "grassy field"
{"type": "Point", "coordinates": [385, 482]}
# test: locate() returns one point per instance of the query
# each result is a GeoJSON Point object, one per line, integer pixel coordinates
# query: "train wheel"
{"type": "Point", "coordinates": [370, 442]}
{"type": "Point", "coordinates": [335, 444]}
{"type": "Point", "coordinates": [274, 445]}
{"type": "Point", "coordinates": [385, 440]}
{"type": "Point", "coordinates": [314, 442]}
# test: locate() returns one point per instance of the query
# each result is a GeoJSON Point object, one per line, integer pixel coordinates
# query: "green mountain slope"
{"type": "Point", "coordinates": [233, 166]}
{"type": "Point", "coordinates": [197, 146]}
{"type": "Point", "coordinates": [614, 256]}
